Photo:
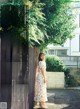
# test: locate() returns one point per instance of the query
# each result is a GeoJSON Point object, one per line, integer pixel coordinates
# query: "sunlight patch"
{"type": "Point", "coordinates": [60, 106]}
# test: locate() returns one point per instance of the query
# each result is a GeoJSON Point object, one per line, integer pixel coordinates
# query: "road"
{"type": "Point", "coordinates": [64, 99]}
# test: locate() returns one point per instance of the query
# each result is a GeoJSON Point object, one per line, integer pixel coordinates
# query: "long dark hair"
{"type": "Point", "coordinates": [39, 58]}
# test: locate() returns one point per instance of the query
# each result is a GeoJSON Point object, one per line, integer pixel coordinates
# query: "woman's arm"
{"type": "Point", "coordinates": [37, 71]}
{"type": "Point", "coordinates": [44, 74]}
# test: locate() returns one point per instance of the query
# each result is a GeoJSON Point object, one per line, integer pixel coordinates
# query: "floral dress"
{"type": "Point", "coordinates": [40, 86]}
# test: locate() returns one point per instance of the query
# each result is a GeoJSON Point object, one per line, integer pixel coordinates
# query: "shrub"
{"type": "Point", "coordinates": [71, 81]}
{"type": "Point", "coordinates": [53, 63]}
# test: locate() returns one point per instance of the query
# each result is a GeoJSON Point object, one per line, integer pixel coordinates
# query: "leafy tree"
{"type": "Point", "coordinates": [12, 2]}
{"type": "Point", "coordinates": [50, 22]}
{"type": "Point", "coordinates": [56, 19]}
{"type": "Point", "coordinates": [33, 28]}
{"type": "Point", "coordinates": [44, 22]}
{"type": "Point", "coordinates": [60, 22]}
{"type": "Point", "coordinates": [36, 22]}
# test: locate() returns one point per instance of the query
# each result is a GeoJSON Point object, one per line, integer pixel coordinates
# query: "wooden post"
{"type": "Point", "coordinates": [33, 54]}
{"type": "Point", "coordinates": [31, 77]}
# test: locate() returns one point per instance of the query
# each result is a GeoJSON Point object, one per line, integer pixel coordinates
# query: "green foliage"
{"type": "Point", "coordinates": [12, 17]}
{"type": "Point", "coordinates": [27, 22]}
{"type": "Point", "coordinates": [16, 2]}
{"type": "Point", "coordinates": [36, 21]}
{"type": "Point", "coordinates": [60, 22]}
{"type": "Point", "coordinates": [44, 21]}
{"type": "Point", "coordinates": [71, 81]}
{"type": "Point", "coordinates": [8, 18]}
{"type": "Point", "coordinates": [12, 2]}
{"type": "Point", "coordinates": [53, 63]}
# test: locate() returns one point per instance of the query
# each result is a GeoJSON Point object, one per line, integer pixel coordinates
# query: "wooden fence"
{"type": "Point", "coordinates": [17, 65]}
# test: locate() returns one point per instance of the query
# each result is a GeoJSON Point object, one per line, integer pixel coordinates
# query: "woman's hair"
{"type": "Point", "coordinates": [40, 56]}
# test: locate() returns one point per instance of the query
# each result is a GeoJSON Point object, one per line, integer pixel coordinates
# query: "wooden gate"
{"type": "Point", "coordinates": [20, 75]}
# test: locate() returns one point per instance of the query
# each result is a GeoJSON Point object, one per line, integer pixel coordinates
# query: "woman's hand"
{"type": "Point", "coordinates": [45, 80]}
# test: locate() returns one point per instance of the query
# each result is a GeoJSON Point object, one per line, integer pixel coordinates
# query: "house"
{"type": "Point", "coordinates": [57, 50]}
{"type": "Point", "coordinates": [74, 44]}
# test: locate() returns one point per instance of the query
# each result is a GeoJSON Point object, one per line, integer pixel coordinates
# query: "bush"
{"type": "Point", "coordinates": [71, 81]}
{"type": "Point", "coordinates": [54, 64]}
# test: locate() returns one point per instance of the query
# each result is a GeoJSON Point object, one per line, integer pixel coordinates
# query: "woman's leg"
{"type": "Point", "coordinates": [42, 104]}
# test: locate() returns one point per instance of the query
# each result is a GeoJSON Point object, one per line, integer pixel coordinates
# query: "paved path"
{"type": "Point", "coordinates": [57, 99]}
{"type": "Point", "coordinates": [64, 99]}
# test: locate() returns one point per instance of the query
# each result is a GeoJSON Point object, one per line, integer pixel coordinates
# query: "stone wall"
{"type": "Point", "coordinates": [55, 80]}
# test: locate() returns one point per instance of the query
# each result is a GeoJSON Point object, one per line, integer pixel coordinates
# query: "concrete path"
{"type": "Point", "coordinates": [64, 99]}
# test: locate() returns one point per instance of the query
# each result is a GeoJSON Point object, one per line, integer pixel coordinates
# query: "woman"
{"type": "Point", "coordinates": [40, 83]}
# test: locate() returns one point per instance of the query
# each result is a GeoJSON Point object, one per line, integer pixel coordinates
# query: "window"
{"type": "Point", "coordinates": [51, 52]}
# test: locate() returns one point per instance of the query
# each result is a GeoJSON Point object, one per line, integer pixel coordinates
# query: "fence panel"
{"type": "Point", "coordinates": [71, 61]}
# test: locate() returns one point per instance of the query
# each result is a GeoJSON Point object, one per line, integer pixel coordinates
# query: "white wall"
{"type": "Point", "coordinates": [56, 80]}
{"type": "Point", "coordinates": [73, 45]}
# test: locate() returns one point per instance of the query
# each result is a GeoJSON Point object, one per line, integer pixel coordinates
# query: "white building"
{"type": "Point", "coordinates": [71, 47]}
{"type": "Point", "coordinates": [74, 44]}
{"type": "Point", "coordinates": [57, 50]}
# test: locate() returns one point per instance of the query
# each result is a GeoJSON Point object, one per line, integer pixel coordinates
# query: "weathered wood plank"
{"type": "Point", "coordinates": [32, 70]}
{"type": "Point", "coordinates": [19, 85]}
{"type": "Point", "coordinates": [6, 59]}
{"type": "Point", "coordinates": [19, 96]}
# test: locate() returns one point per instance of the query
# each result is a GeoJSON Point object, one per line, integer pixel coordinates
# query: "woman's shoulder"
{"type": "Point", "coordinates": [42, 63]}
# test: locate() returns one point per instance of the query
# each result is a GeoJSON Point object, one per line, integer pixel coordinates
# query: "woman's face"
{"type": "Point", "coordinates": [43, 57]}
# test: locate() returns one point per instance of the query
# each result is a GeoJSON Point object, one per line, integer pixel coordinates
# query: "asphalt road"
{"type": "Point", "coordinates": [64, 99]}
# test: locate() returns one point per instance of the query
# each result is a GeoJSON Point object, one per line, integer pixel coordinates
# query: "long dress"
{"type": "Point", "coordinates": [40, 86]}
